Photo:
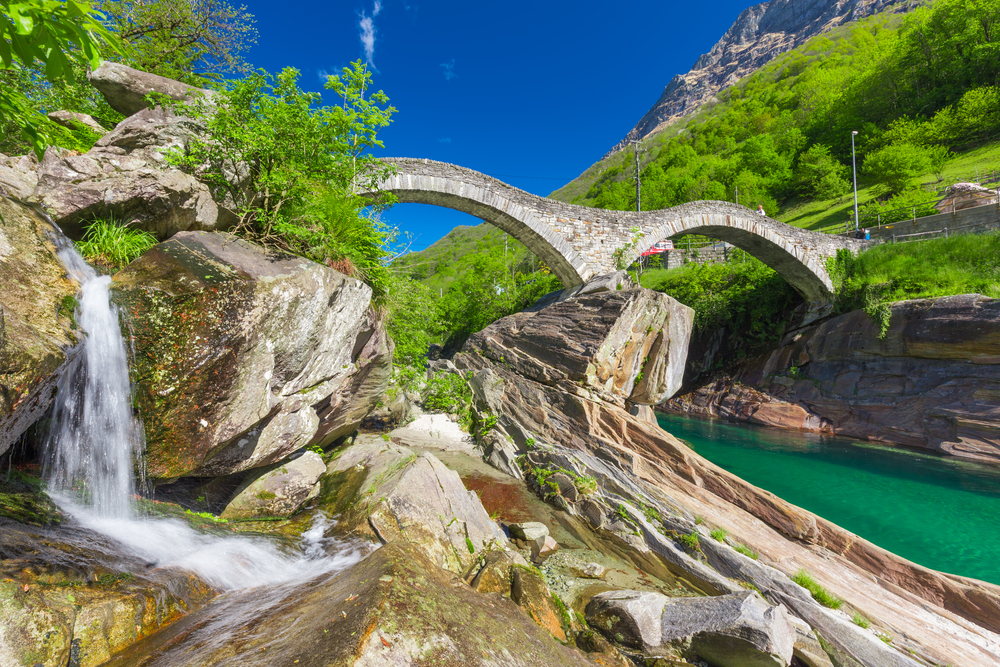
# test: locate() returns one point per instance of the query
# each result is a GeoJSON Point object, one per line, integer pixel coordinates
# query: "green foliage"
{"type": "Point", "coordinates": [208, 516]}
{"type": "Point", "coordinates": [113, 245]}
{"type": "Point", "coordinates": [820, 175]}
{"type": "Point", "coordinates": [916, 270]}
{"type": "Point", "coordinates": [719, 534]}
{"type": "Point", "coordinates": [316, 449]}
{"type": "Point", "coordinates": [449, 392]}
{"type": "Point", "coordinates": [470, 546]}
{"type": "Point", "coordinates": [895, 166]}
{"type": "Point", "coordinates": [746, 551]}
{"type": "Point", "coordinates": [860, 620]}
{"type": "Point", "coordinates": [45, 44]}
{"type": "Point", "coordinates": [690, 542]}
{"type": "Point", "coordinates": [291, 167]}
{"type": "Point", "coordinates": [820, 594]}
{"type": "Point", "coordinates": [414, 320]}
{"type": "Point", "coordinates": [193, 42]}
{"type": "Point", "coordinates": [744, 296]}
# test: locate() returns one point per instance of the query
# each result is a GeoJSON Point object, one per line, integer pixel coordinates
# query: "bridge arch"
{"type": "Point", "coordinates": [578, 242]}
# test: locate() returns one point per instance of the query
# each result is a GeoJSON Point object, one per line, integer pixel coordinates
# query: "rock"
{"type": "Point", "coordinates": [279, 491]}
{"type": "Point", "coordinates": [549, 546]}
{"type": "Point", "coordinates": [394, 608]}
{"type": "Point", "coordinates": [528, 531]}
{"type": "Point", "coordinates": [492, 572]}
{"type": "Point", "coordinates": [601, 651]}
{"type": "Point", "coordinates": [74, 121]}
{"type": "Point", "coordinates": [37, 328]}
{"type": "Point", "coordinates": [18, 176]}
{"type": "Point", "coordinates": [239, 351]}
{"type": "Point", "coordinates": [64, 602]}
{"type": "Point", "coordinates": [125, 176]}
{"type": "Point", "coordinates": [417, 499]}
{"type": "Point", "coordinates": [930, 383]}
{"type": "Point", "coordinates": [529, 590]}
{"type": "Point", "coordinates": [567, 489]}
{"type": "Point", "coordinates": [617, 345]}
{"type": "Point", "coordinates": [807, 648]}
{"type": "Point", "coordinates": [735, 630]}
{"type": "Point", "coordinates": [591, 571]}
{"type": "Point", "coordinates": [126, 89]}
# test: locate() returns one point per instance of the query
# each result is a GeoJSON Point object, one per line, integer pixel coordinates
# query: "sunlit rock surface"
{"type": "Point", "coordinates": [37, 303]}
{"type": "Point", "coordinates": [237, 348]}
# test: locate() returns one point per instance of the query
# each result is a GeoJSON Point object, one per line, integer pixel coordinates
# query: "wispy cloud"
{"type": "Point", "coordinates": [367, 26]}
{"type": "Point", "coordinates": [377, 8]}
{"type": "Point", "coordinates": [446, 140]}
{"type": "Point", "coordinates": [322, 73]}
{"type": "Point", "coordinates": [449, 70]}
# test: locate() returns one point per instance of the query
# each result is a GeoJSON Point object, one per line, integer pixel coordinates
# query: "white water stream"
{"type": "Point", "coordinates": [93, 458]}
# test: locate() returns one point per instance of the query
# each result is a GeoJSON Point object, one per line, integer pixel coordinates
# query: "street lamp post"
{"type": "Point", "coordinates": [854, 165]}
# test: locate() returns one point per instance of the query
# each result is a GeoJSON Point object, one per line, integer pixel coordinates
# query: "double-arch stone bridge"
{"type": "Point", "coordinates": [578, 242]}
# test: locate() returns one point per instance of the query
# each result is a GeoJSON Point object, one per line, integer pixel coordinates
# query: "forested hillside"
{"type": "Point", "coordinates": [920, 89]}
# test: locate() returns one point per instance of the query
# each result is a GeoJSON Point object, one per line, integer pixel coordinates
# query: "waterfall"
{"type": "Point", "coordinates": [92, 456]}
{"type": "Point", "coordinates": [94, 439]}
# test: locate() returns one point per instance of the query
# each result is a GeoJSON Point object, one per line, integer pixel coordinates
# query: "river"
{"type": "Point", "coordinates": [936, 511]}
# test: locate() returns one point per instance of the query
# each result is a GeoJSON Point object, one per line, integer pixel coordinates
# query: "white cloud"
{"type": "Point", "coordinates": [368, 37]}
{"type": "Point", "coordinates": [377, 9]}
{"type": "Point", "coordinates": [449, 70]}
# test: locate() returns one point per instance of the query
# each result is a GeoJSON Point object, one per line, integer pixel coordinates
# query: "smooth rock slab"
{"type": "Point", "coordinates": [279, 491]}
{"type": "Point", "coordinates": [126, 89]}
{"type": "Point", "coordinates": [735, 630]}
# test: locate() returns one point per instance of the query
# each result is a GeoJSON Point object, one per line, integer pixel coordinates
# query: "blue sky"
{"type": "Point", "coordinates": [530, 92]}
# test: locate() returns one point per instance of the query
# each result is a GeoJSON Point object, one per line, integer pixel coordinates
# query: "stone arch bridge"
{"type": "Point", "coordinates": [578, 242]}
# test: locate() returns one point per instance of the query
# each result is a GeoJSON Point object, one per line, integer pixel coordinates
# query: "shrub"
{"type": "Point", "coordinates": [113, 245]}
{"type": "Point", "coordinates": [820, 594]}
{"type": "Point", "coordinates": [690, 542]}
{"type": "Point", "coordinates": [719, 534]}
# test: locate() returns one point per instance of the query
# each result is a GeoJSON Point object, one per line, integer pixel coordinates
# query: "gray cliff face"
{"type": "Point", "coordinates": [760, 34]}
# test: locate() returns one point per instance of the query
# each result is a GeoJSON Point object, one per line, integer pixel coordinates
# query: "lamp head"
{"type": "Point", "coordinates": [854, 131]}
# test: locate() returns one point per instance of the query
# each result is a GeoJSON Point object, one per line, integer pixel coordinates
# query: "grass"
{"type": "Point", "coordinates": [690, 542]}
{"type": "Point", "coordinates": [719, 534]}
{"type": "Point", "coordinates": [860, 620]}
{"type": "Point", "coordinates": [114, 245]}
{"type": "Point", "coordinates": [746, 551]}
{"type": "Point", "coordinates": [820, 594]}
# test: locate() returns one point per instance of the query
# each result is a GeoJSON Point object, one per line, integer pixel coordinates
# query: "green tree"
{"type": "Point", "coordinates": [291, 168]}
{"type": "Point", "coordinates": [195, 41]}
{"type": "Point", "coordinates": [414, 321]}
{"type": "Point", "coordinates": [894, 167]}
{"type": "Point", "coordinates": [45, 43]}
{"type": "Point", "coordinates": [820, 175]}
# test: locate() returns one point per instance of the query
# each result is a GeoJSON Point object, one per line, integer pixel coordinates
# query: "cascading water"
{"type": "Point", "coordinates": [95, 444]}
{"type": "Point", "coordinates": [94, 440]}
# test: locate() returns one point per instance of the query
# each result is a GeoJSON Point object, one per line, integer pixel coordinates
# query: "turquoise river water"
{"type": "Point", "coordinates": [939, 512]}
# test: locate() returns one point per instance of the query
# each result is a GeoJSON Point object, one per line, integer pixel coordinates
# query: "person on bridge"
{"type": "Point", "coordinates": [760, 209]}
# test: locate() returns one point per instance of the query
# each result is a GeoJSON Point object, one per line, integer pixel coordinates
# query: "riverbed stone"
{"type": "Point", "coordinates": [529, 531]}
{"type": "Point", "coordinates": [280, 491]}
{"type": "Point", "coordinates": [735, 630]}
{"type": "Point", "coordinates": [396, 607]}
{"type": "Point", "coordinates": [18, 175]}
{"type": "Point", "coordinates": [37, 326]}
{"type": "Point", "coordinates": [238, 350]}
{"type": "Point", "coordinates": [529, 590]}
{"type": "Point", "coordinates": [405, 496]}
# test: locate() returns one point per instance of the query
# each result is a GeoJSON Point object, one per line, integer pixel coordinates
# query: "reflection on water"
{"type": "Point", "coordinates": [935, 511]}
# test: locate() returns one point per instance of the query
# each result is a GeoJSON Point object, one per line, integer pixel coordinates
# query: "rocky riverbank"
{"type": "Point", "coordinates": [932, 382]}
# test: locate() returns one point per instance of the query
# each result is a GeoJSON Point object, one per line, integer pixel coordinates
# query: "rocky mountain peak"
{"type": "Point", "coordinates": [760, 33]}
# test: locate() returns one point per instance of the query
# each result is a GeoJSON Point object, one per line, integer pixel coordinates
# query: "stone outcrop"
{"type": "Point", "coordinates": [279, 491]}
{"type": "Point", "coordinates": [125, 177]}
{"type": "Point", "coordinates": [73, 121]}
{"type": "Point", "coordinates": [933, 382]}
{"type": "Point", "coordinates": [237, 350]}
{"type": "Point", "coordinates": [417, 499]}
{"type": "Point", "coordinates": [614, 346]}
{"type": "Point", "coordinates": [18, 176]}
{"type": "Point", "coordinates": [394, 608]}
{"type": "Point", "coordinates": [728, 630]}
{"type": "Point", "coordinates": [126, 89]}
{"type": "Point", "coordinates": [657, 495]}
{"type": "Point", "coordinates": [760, 34]}
{"type": "Point", "coordinates": [37, 330]}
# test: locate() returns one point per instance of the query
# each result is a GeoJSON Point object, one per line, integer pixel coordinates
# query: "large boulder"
{"type": "Point", "coordinates": [394, 608]}
{"type": "Point", "coordinates": [125, 177]}
{"type": "Point", "coordinates": [18, 176]}
{"type": "Point", "coordinates": [417, 499]}
{"type": "Point", "coordinates": [279, 491]}
{"type": "Point", "coordinates": [126, 89]}
{"type": "Point", "coordinates": [236, 349]}
{"type": "Point", "coordinates": [736, 630]}
{"type": "Point", "coordinates": [37, 303]}
{"type": "Point", "coordinates": [616, 345]}
{"type": "Point", "coordinates": [75, 121]}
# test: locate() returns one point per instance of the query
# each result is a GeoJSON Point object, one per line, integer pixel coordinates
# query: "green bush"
{"type": "Point", "coordinates": [449, 392]}
{"type": "Point", "coordinates": [719, 534]}
{"type": "Point", "coordinates": [113, 245]}
{"type": "Point", "coordinates": [820, 594]}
